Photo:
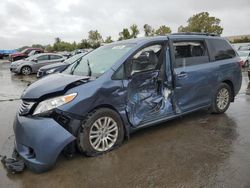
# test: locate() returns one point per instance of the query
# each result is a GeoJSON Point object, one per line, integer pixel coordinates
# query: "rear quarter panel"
{"type": "Point", "coordinates": [229, 70]}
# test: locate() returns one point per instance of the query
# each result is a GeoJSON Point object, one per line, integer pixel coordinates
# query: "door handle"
{"type": "Point", "coordinates": [182, 74]}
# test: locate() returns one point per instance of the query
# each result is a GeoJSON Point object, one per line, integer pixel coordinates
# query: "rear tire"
{"type": "Point", "coordinates": [26, 70]}
{"type": "Point", "coordinates": [100, 132]}
{"type": "Point", "coordinates": [221, 99]}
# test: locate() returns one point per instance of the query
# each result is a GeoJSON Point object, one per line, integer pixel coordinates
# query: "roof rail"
{"type": "Point", "coordinates": [196, 33]}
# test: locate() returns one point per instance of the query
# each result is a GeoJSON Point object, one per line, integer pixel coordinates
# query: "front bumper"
{"type": "Point", "coordinates": [39, 141]}
{"type": "Point", "coordinates": [14, 69]}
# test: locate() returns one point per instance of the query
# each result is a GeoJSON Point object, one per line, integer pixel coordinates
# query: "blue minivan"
{"type": "Point", "coordinates": [95, 103]}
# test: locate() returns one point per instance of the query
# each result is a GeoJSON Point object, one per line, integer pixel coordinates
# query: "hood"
{"type": "Point", "coordinates": [55, 83]}
{"type": "Point", "coordinates": [17, 54]}
{"type": "Point", "coordinates": [55, 65]}
{"type": "Point", "coordinates": [18, 62]}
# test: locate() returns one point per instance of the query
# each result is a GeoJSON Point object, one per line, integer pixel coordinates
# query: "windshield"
{"type": "Point", "coordinates": [98, 61]}
{"type": "Point", "coordinates": [24, 50]}
{"type": "Point", "coordinates": [74, 58]}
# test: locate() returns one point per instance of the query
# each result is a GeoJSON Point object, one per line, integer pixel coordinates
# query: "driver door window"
{"type": "Point", "coordinates": [146, 59]}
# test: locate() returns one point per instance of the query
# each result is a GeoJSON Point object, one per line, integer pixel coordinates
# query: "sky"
{"type": "Point", "coordinates": [26, 22]}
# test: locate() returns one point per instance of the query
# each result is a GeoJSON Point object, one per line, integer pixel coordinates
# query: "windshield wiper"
{"type": "Point", "coordinates": [89, 68]}
{"type": "Point", "coordinates": [74, 65]}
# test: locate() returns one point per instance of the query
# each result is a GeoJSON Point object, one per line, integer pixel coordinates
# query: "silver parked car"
{"type": "Point", "coordinates": [245, 57]}
{"type": "Point", "coordinates": [33, 63]}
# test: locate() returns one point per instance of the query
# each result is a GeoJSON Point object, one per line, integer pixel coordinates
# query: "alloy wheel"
{"type": "Point", "coordinates": [26, 70]}
{"type": "Point", "coordinates": [103, 134]}
{"type": "Point", "coordinates": [222, 98]}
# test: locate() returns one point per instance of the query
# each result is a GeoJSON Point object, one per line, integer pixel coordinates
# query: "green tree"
{"type": "Point", "coordinates": [60, 45]}
{"type": "Point", "coordinates": [202, 22]}
{"type": "Point", "coordinates": [148, 30]}
{"type": "Point", "coordinates": [84, 44]}
{"type": "Point", "coordinates": [182, 29]}
{"type": "Point", "coordinates": [49, 48]}
{"type": "Point", "coordinates": [22, 48]}
{"type": "Point", "coordinates": [108, 40]}
{"type": "Point", "coordinates": [57, 40]}
{"type": "Point", "coordinates": [241, 40]}
{"type": "Point", "coordinates": [64, 46]}
{"type": "Point", "coordinates": [95, 38]}
{"type": "Point", "coordinates": [56, 45]}
{"type": "Point", "coordinates": [134, 31]}
{"type": "Point", "coordinates": [74, 45]}
{"type": "Point", "coordinates": [163, 30]}
{"type": "Point", "coordinates": [37, 46]}
{"type": "Point", "coordinates": [125, 34]}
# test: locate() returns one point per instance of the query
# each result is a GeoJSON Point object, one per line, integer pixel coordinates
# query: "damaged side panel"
{"type": "Point", "coordinates": [151, 95]}
{"type": "Point", "coordinates": [143, 97]}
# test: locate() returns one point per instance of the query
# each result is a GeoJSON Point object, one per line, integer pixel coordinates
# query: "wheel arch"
{"type": "Point", "coordinates": [230, 83]}
{"type": "Point", "coordinates": [26, 66]}
{"type": "Point", "coordinates": [123, 119]}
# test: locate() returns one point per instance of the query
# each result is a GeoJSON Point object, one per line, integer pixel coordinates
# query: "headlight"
{"type": "Point", "coordinates": [52, 103]}
{"type": "Point", "coordinates": [50, 71]}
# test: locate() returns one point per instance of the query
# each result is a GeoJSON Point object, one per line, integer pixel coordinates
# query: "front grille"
{"type": "Point", "coordinates": [25, 108]}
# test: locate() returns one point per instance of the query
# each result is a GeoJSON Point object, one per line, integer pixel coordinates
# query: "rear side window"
{"type": "Point", "coordinates": [43, 57]}
{"type": "Point", "coordinates": [53, 57]}
{"type": "Point", "coordinates": [189, 53]}
{"type": "Point", "coordinates": [221, 49]}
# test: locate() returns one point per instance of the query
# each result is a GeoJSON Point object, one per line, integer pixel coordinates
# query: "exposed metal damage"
{"type": "Point", "coordinates": [13, 164]}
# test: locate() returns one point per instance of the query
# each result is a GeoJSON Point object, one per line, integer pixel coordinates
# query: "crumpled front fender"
{"type": "Point", "coordinates": [39, 141]}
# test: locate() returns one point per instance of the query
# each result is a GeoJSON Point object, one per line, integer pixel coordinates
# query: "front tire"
{"type": "Point", "coordinates": [101, 131]}
{"type": "Point", "coordinates": [26, 70]}
{"type": "Point", "coordinates": [222, 99]}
